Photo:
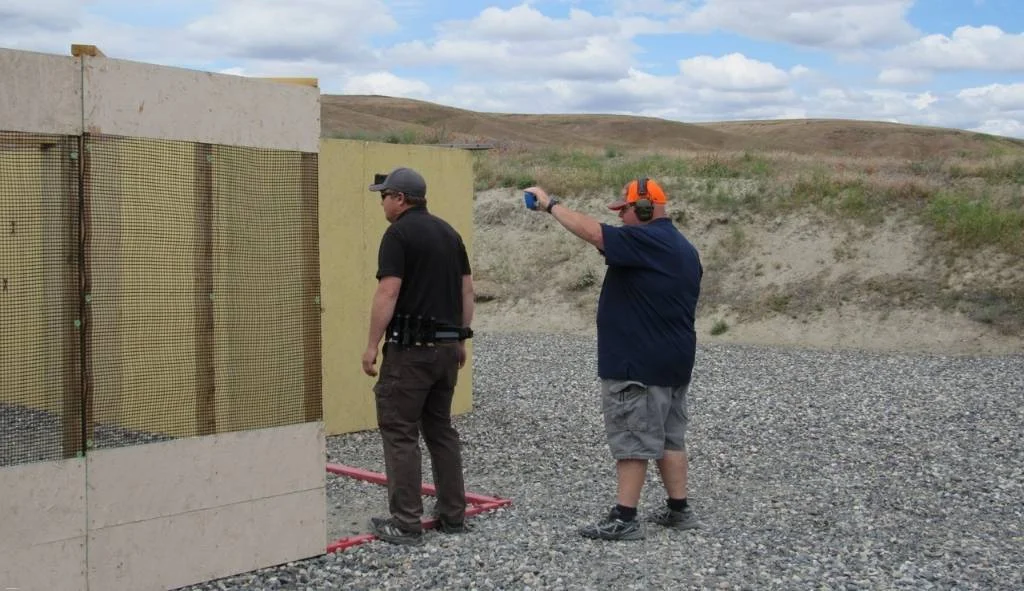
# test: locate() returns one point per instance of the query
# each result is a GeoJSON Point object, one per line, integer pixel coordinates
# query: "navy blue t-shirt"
{"type": "Point", "coordinates": [645, 314]}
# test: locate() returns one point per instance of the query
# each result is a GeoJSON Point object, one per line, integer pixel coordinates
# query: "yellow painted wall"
{"type": "Point", "coordinates": [351, 225]}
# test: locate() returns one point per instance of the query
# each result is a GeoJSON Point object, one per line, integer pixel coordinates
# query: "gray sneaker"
{"type": "Point", "coordinates": [685, 519]}
{"type": "Point", "coordinates": [389, 531]}
{"type": "Point", "coordinates": [613, 528]}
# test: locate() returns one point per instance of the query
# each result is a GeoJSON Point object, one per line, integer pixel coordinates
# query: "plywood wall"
{"type": "Point", "coordinates": [351, 225]}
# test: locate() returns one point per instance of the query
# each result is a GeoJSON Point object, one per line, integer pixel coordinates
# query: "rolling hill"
{"type": "Point", "coordinates": [410, 121]}
{"type": "Point", "coordinates": [826, 233]}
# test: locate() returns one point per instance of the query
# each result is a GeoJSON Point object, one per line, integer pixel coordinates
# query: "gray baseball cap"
{"type": "Point", "coordinates": [404, 180]}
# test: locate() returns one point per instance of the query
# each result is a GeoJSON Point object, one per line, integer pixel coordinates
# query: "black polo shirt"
{"type": "Point", "coordinates": [430, 257]}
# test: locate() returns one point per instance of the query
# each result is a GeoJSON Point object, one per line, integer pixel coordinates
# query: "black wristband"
{"type": "Point", "coordinates": [553, 202]}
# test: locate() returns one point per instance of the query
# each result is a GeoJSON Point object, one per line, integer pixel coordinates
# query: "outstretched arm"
{"type": "Point", "coordinates": [580, 224]}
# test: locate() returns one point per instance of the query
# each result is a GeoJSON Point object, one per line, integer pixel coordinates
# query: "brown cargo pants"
{"type": "Point", "coordinates": [414, 394]}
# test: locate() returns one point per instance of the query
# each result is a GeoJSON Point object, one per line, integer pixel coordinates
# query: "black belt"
{"type": "Point", "coordinates": [406, 329]}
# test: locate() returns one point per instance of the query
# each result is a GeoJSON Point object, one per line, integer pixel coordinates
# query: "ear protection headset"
{"type": "Point", "coordinates": [643, 206]}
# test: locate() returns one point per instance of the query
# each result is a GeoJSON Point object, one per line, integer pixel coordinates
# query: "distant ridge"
{"type": "Point", "coordinates": [416, 121]}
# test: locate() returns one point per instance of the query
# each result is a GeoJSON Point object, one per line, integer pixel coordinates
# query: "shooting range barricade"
{"type": "Point", "coordinates": [478, 504]}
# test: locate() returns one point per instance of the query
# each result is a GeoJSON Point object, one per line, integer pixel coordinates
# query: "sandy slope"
{"type": "Point", "coordinates": [795, 281]}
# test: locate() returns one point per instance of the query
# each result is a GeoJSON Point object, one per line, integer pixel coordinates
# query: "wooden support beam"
{"type": "Point", "coordinates": [313, 82]}
{"type": "Point", "coordinates": [68, 300]}
{"type": "Point", "coordinates": [85, 255]}
{"type": "Point", "coordinates": [312, 341]}
{"type": "Point", "coordinates": [203, 265]}
{"type": "Point", "coordinates": [78, 50]}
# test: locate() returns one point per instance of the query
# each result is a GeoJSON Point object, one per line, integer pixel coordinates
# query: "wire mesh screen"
{"type": "Point", "coordinates": [202, 289]}
{"type": "Point", "coordinates": [151, 290]}
{"type": "Point", "coordinates": [40, 386]}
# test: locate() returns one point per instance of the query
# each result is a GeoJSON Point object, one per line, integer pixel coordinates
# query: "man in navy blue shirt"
{"type": "Point", "coordinates": [646, 345]}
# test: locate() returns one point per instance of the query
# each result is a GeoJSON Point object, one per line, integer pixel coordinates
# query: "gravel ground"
{"type": "Point", "coordinates": [810, 469]}
{"type": "Point", "coordinates": [28, 435]}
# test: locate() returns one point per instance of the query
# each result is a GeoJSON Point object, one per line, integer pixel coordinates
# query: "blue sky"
{"type": "Point", "coordinates": [951, 63]}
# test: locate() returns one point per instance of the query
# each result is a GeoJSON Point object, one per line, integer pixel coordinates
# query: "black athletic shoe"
{"type": "Point", "coordinates": [453, 527]}
{"type": "Point", "coordinates": [613, 528]}
{"type": "Point", "coordinates": [685, 519]}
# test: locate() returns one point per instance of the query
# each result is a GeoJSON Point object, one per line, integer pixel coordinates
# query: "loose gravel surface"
{"type": "Point", "coordinates": [28, 435]}
{"type": "Point", "coordinates": [810, 469]}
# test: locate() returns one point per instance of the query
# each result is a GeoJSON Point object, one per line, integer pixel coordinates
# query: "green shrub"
{"type": "Point", "coordinates": [972, 222]}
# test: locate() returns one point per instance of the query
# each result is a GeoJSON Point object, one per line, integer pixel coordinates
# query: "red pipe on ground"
{"type": "Point", "coordinates": [378, 478]}
{"type": "Point", "coordinates": [478, 504]}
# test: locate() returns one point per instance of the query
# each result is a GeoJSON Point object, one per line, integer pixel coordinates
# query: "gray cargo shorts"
{"type": "Point", "coordinates": [643, 421]}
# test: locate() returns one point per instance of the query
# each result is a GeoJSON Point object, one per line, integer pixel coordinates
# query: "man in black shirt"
{"type": "Point", "coordinates": [424, 306]}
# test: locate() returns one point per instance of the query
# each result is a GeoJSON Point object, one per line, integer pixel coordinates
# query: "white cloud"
{"type": "Point", "coordinates": [445, 51]}
{"type": "Point", "coordinates": [1000, 97]}
{"type": "Point", "coordinates": [524, 43]}
{"type": "Point", "coordinates": [525, 24]}
{"type": "Point", "coordinates": [49, 16]}
{"type": "Point", "coordinates": [727, 87]}
{"type": "Point", "coordinates": [923, 101]}
{"type": "Point", "coordinates": [652, 7]}
{"type": "Point", "coordinates": [579, 59]}
{"type": "Point", "coordinates": [43, 25]}
{"type": "Point", "coordinates": [673, 97]}
{"type": "Point", "coordinates": [903, 77]}
{"type": "Point", "coordinates": [877, 105]}
{"type": "Point", "coordinates": [733, 72]}
{"type": "Point", "coordinates": [969, 48]}
{"type": "Point", "coordinates": [636, 90]}
{"type": "Point", "coordinates": [1006, 127]}
{"type": "Point", "coordinates": [386, 83]}
{"type": "Point", "coordinates": [326, 74]}
{"type": "Point", "coordinates": [325, 30]}
{"type": "Point", "coordinates": [846, 24]}
{"type": "Point", "coordinates": [799, 71]}
{"type": "Point", "coordinates": [52, 26]}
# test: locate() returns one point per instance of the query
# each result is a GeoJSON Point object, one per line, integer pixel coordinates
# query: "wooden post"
{"type": "Point", "coordinates": [84, 320]}
{"type": "Point", "coordinates": [311, 331]}
{"type": "Point", "coordinates": [206, 401]}
{"type": "Point", "coordinates": [68, 361]}
{"type": "Point", "coordinates": [78, 50]}
{"type": "Point", "coordinates": [314, 82]}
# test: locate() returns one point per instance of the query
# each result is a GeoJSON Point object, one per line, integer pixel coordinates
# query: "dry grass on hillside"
{"type": "Point", "coordinates": [811, 231]}
{"type": "Point", "coordinates": [411, 121]}
{"type": "Point", "coordinates": [970, 204]}
{"type": "Point", "coordinates": [782, 235]}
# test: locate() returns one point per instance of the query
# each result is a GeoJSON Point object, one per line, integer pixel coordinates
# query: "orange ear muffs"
{"type": "Point", "coordinates": [643, 206]}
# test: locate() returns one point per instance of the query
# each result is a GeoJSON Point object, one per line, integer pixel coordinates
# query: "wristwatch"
{"type": "Point", "coordinates": [551, 203]}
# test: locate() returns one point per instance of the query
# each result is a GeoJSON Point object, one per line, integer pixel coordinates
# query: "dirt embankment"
{"type": "Point", "coordinates": [793, 281]}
